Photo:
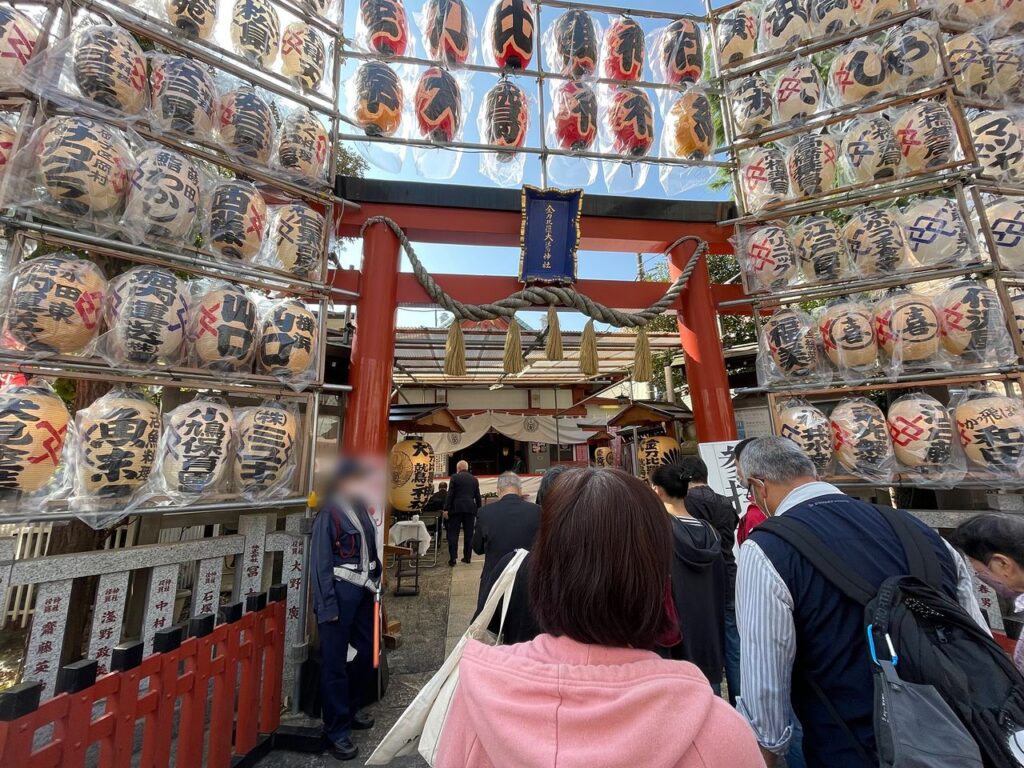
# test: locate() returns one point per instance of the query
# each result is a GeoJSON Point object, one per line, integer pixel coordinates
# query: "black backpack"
{"type": "Point", "coordinates": [931, 661]}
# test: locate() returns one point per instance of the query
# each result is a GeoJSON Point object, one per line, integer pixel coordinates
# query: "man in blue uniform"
{"type": "Point", "coordinates": [345, 579]}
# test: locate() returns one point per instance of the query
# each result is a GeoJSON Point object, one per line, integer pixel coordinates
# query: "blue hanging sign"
{"type": "Point", "coordinates": [550, 235]}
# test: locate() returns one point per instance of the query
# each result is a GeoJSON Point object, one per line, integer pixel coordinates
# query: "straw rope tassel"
{"type": "Point", "coordinates": [642, 356]}
{"type": "Point", "coordinates": [513, 348]}
{"type": "Point", "coordinates": [455, 350]}
{"type": "Point", "coordinates": [588, 350]}
{"type": "Point", "coordinates": [553, 343]}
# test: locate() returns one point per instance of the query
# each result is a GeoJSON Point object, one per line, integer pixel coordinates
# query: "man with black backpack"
{"type": "Point", "coordinates": [866, 620]}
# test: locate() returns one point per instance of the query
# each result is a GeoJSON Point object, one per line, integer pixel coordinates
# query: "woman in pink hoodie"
{"type": "Point", "coordinates": [589, 692]}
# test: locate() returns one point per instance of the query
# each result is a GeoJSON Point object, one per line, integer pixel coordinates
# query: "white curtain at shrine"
{"type": "Point", "coordinates": [528, 429]}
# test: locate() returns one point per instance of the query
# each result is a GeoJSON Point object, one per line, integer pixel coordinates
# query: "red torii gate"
{"type": "Point", "coordinates": [434, 213]}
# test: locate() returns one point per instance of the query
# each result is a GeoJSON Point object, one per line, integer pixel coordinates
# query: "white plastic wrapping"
{"type": "Point", "coordinates": [265, 450]}
{"type": "Point", "coordinates": [848, 337]}
{"type": "Point", "coordinates": [288, 342]}
{"type": "Point", "coordinates": [689, 122]}
{"type": "Point", "coordinates": [789, 349]}
{"type": "Point", "coordinates": [970, 63]}
{"type": "Point", "coordinates": [798, 92]}
{"type": "Point", "coordinates": [820, 249]}
{"type": "Point", "coordinates": [295, 240]}
{"type": "Point", "coordinates": [247, 126]}
{"type": "Point", "coordinates": [1007, 69]}
{"type": "Point", "coordinates": [184, 96]}
{"type": "Point", "coordinates": [146, 316]}
{"type": "Point", "coordinates": [860, 440]}
{"type": "Point", "coordinates": [750, 98]}
{"type": "Point", "coordinates": [784, 23]}
{"type": "Point", "coordinates": [998, 143]}
{"type": "Point", "coordinates": [678, 53]}
{"type": "Point", "coordinates": [573, 125]}
{"type": "Point", "coordinates": [195, 19]}
{"type": "Point", "coordinates": [304, 55]}
{"type": "Point", "coordinates": [857, 73]}
{"type": "Point", "coordinates": [506, 39]}
{"type": "Point", "coordinates": [764, 178]}
{"type": "Point", "coordinates": [165, 198]}
{"type": "Point", "coordinates": [767, 258]}
{"type": "Point", "coordinates": [912, 55]}
{"type": "Point", "coordinates": [623, 49]}
{"type": "Point", "coordinates": [236, 220]}
{"type": "Point", "coordinates": [376, 99]}
{"type": "Point", "coordinates": [34, 423]}
{"type": "Point", "coordinates": [908, 331]}
{"type": "Point", "coordinates": [1005, 217]}
{"type": "Point", "coordinates": [222, 327]}
{"type": "Point", "coordinates": [832, 17]}
{"type": "Point", "coordinates": [737, 34]}
{"type": "Point", "coordinates": [876, 242]}
{"type": "Point", "coordinates": [382, 27]}
{"type": "Point", "coordinates": [924, 441]}
{"type": "Point", "coordinates": [448, 31]}
{"type": "Point", "coordinates": [926, 135]}
{"type": "Point", "coordinates": [991, 432]}
{"type": "Point", "coordinates": [303, 147]}
{"type": "Point", "coordinates": [18, 35]}
{"type": "Point", "coordinates": [936, 233]}
{"type": "Point", "coordinates": [256, 31]}
{"type": "Point", "coordinates": [195, 454]}
{"type": "Point", "coordinates": [870, 150]}
{"type": "Point", "coordinates": [812, 165]}
{"type": "Point", "coordinates": [974, 328]}
{"type": "Point", "coordinates": [572, 45]}
{"type": "Point", "coordinates": [810, 429]}
{"type": "Point", "coordinates": [503, 122]}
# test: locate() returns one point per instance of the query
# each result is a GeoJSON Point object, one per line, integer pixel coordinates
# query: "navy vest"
{"type": "Point", "coordinates": [831, 643]}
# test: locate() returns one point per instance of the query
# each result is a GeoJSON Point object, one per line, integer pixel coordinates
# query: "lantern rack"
{"type": "Point", "coordinates": [882, 382]}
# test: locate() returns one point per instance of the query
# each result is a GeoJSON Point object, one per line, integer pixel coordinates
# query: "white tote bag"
{"type": "Point", "coordinates": [420, 726]}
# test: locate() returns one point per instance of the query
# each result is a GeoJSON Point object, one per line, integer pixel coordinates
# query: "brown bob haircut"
{"type": "Point", "coordinates": [600, 564]}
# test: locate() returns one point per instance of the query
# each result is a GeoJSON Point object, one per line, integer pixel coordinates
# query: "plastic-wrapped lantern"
{"type": "Point", "coordinates": [118, 436]}
{"type": "Point", "coordinates": [871, 150]}
{"type": "Point", "coordinates": [847, 333]}
{"type": "Point", "coordinates": [197, 447]}
{"type": "Point", "coordinates": [110, 69]}
{"type": "Point", "coordinates": [820, 248]}
{"type": "Point", "coordinates": [972, 320]}
{"type": "Point", "coordinates": [146, 316]}
{"type": "Point", "coordinates": [860, 437]}
{"type": "Point", "coordinates": [630, 121]}
{"type": "Point", "coordinates": [387, 31]}
{"type": "Point", "coordinates": [652, 452]}
{"type": "Point", "coordinates": [876, 242]}
{"type": "Point", "coordinates": [438, 105]}
{"type": "Point", "coordinates": [34, 423]}
{"type": "Point", "coordinates": [809, 428]}
{"type": "Point", "coordinates": [1012, 18]}
{"type": "Point", "coordinates": [506, 116]}
{"type": "Point", "coordinates": [764, 177]}
{"type": "Point", "coordinates": [912, 56]}
{"type": "Point", "coordinates": [623, 50]}
{"type": "Point", "coordinates": [770, 258]}
{"type": "Point", "coordinates": [256, 31]}
{"type": "Point", "coordinates": [1006, 219]}
{"type": "Point", "coordinates": [857, 73]}
{"type": "Point", "coordinates": [302, 145]}
{"type": "Point", "coordinates": [691, 127]}
{"type": "Point", "coordinates": [832, 17]}
{"type": "Point", "coordinates": [925, 135]}
{"type": "Point", "coordinates": [299, 239]}
{"type": "Point", "coordinates": [575, 39]}
{"type": "Point", "coordinates": [238, 217]}
{"type": "Point", "coordinates": [1007, 67]}
{"type": "Point", "coordinates": [447, 29]}
{"type": "Point", "coordinates": [222, 328]}
{"type": "Point", "coordinates": [85, 165]}
{"type": "Point", "coordinates": [790, 340]}
{"type": "Point", "coordinates": [56, 303]}
{"type": "Point", "coordinates": [575, 110]}
{"type": "Point", "coordinates": [797, 92]}
{"type": "Point", "coordinates": [379, 97]}
{"type": "Point", "coordinates": [18, 35]}
{"type": "Point", "coordinates": [1018, 313]}
{"type": "Point", "coordinates": [991, 430]}
{"type": "Point", "coordinates": [164, 197]}
{"type": "Point", "coordinates": [751, 104]}
{"type": "Point", "coordinates": [737, 35]}
{"type": "Point", "coordinates": [970, 62]}
{"type": "Point", "coordinates": [411, 470]}
{"type": "Point", "coordinates": [907, 327]}
{"type": "Point", "coordinates": [604, 457]}
{"type": "Point", "coordinates": [998, 144]}
{"type": "Point", "coordinates": [193, 18]}
{"type": "Point", "coordinates": [246, 123]}
{"type": "Point", "coordinates": [783, 23]}
{"type": "Point", "coordinates": [921, 432]}
{"type": "Point", "coordinates": [935, 231]}
{"type": "Point", "coordinates": [681, 52]}
{"type": "Point", "coordinates": [511, 33]}
{"type": "Point", "coordinates": [287, 339]}
{"type": "Point", "coordinates": [302, 54]}
{"type": "Point", "coordinates": [8, 135]}
{"type": "Point", "coordinates": [812, 165]}
{"type": "Point", "coordinates": [184, 95]}
{"type": "Point", "coordinates": [264, 452]}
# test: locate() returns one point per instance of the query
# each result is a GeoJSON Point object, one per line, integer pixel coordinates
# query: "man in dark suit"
{"type": "Point", "coordinates": [460, 508]}
{"type": "Point", "coordinates": [508, 524]}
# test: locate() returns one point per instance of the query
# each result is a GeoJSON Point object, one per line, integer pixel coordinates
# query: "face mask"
{"type": "Point", "coordinates": [986, 577]}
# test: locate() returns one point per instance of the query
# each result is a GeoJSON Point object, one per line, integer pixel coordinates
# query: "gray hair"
{"type": "Point", "coordinates": [775, 460]}
{"type": "Point", "coordinates": [508, 480]}
{"type": "Point", "coordinates": [462, 466]}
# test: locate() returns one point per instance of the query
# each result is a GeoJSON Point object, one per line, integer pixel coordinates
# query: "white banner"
{"type": "Point", "coordinates": [525, 428]}
{"type": "Point", "coordinates": [722, 472]}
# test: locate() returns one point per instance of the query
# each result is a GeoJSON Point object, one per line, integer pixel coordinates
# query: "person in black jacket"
{"type": "Point", "coordinates": [460, 508]}
{"type": "Point", "coordinates": [508, 524]}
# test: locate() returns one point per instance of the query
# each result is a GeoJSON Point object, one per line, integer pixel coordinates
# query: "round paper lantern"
{"type": "Point", "coordinates": [575, 111]}
{"type": "Point", "coordinates": [604, 457]}
{"type": "Point", "coordinates": [921, 432]}
{"type": "Point", "coordinates": [770, 258]}
{"type": "Point", "coordinates": [831, 17]}
{"type": "Point", "coordinates": [387, 31]}
{"type": "Point", "coordinates": [1007, 67]}
{"type": "Point", "coordinates": [935, 231]}
{"type": "Point", "coordinates": [764, 177]}
{"type": "Point", "coordinates": [1011, 18]}
{"type": "Point", "coordinates": [783, 23]}
{"type": "Point", "coordinates": [911, 54]}
{"type": "Point", "coordinates": [412, 475]}
{"type": "Point", "coordinates": [681, 52]}
{"type": "Point", "coordinates": [857, 73]}
{"type": "Point", "coordinates": [1018, 313]}
{"type": "Point", "coordinates": [847, 333]}
{"type": "Point", "coordinates": [737, 35]}
{"type": "Point", "coordinates": [34, 423]}
{"type": "Point", "coordinates": [447, 30]}
{"type": "Point", "coordinates": [438, 104]}
{"type": "Point", "coordinates": [299, 239]}
{"type": "Point", "coordinates": [184, 95]}
{"type": "Point", "coordinates": [652, 452]}
{"type": "Point", "coordinates": [624, 50]}
{"type": "Point", "coordinates": [991, 430]}
{"type": "Point", "coordinates": [970, 62]}
{"type": "Point", "coordinates": [691, 127]}
{"type": "Point", "coordinates": [631, 121]}
{"type": "Point", "coordinates": [1006, 220]}
{"type": "Point", "coordinates": [8, 135]}
{"type": "Point", "coordinates": [812, 165]}
{"type": "Point", "coordinates": [287, 339]}
{"type": "Point", "coordinates": [163, 200]}
{"type": "Point", "coordinates": [977, 10]}
{"type": "Point", "coordinates": [820, 248]}
{"type": "Point", "coordinates": [222, 328]}
{"type": "Point", "coordinates": [238, 217]}
{"type": "Point", "coordinates": [85, 165]}
{"type": "Point", "coordinates": [302, 54]}
{"type": "Point", "coordinates": [752, 105]}
{"type": "Point", "coordinates": [972, 320]}
{"type": "Point", "coordinates": [56, 303]}
{"type": "Point", "coordinates": [302, 145]}
{"type": "Point", "coordinates": [575, 44]}
{"type": "Point", "coordinates": [907, 327]}
{"type": "Point", "coordinates": [809, 428]}
{"type": "Point", "coordinates": [146, 315]}
{"type": "Point", "coordinates": [256, 31]}
{"type": "Point", "coordinates": [925, 135]}
{"type": "Point", "coordinates": [18, 35]}
{"type": "Point", "coordinates": [871, 150]}
{"type": "Point", "coordinates": [197, 447]}
{"type": "Point", "coordinates": [882, 9]}
{"type": "Point", "coordinates": [998, 144]}
{"type": "Point", "coordinates": [789, 337]}
{"type": "Point", "coordinates": [876, 243]}
{"type": "Point", "coordinates": [379, 97]}
{"type": "Point", "coordinates": [506, 116]}
{"type": "Point", "coordinates": [797, 92]}
{"type": "Point", "coordinates": [193, 18]}
{"type": "Point", "coordinates": [246, 124]}
{"type": "Point", "coordinates": [110, 69]}
{"type": "Point", "coordinates": [118, 435]}
{"type": "Point", "coordinates": [860, 437]}
{"type": "Point", "coordinates": [266, 446]}
{"type": "Point", "coordinates": [511, 33]}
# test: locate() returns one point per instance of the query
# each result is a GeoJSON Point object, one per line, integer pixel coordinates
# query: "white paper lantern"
{"type": "Point", "coordinates": [1007, 67]}
{"type": "Point", "coordinates": [1018, 313]}
{"type": "Point", "coordinates": [935, 231]}
{"type": "Point", "coordinates": [265, 456]}
{"type": "Point", "coordinates": [8, 135]}
{"type": "Point", "coordinates": [184, 96]}
{"type": "Point", "coordinates": [299, 239]}
{"type": "Point", "coordinates": [769, 257]}
{"type": "Point", "coordinates": [197, 447]}
{"type": "Point", "coordinates": [85, 166]}
{"type": "Point", "coordinates": [737, 35]}
{"type": "Point", "coordinates": [118, 436]}
{"type": "Point", "coordinates": [907, 327]}
{"type": "Point", "coordinates": [921, 432]}
{"type": "Point", "coordinates": [991, 430]}
{"type": "Point", "coordinates": [925, 135]}
{"type": "Point", "coordinates": [287, 339]}
{"type": "Point", "coordinates": [809, 428]}
{"type": "Point", "coordinates": [871, 150]}
{"type": "Point", "coordinates": [751, 104]}
{"type": "Point", "coordinates": [812, 165]}
{"type": "Point", "coordinates": [797, 92]}
{"type": "Point", "coordinates": [764, 177]}
{"type": "Point", "coordinates": [831, 17]}
{"type": "Point", "coordinates": [783, 23]}
{"type": "Point", "coordinates": [1006, 220]}
{"type": "Point", "coordinates": [848, 336]}
{"type": "Point", "coordinates": [110, 69]}
{"type": "Point", "coordinates": [34, 423]}
{"type": "Point", "coordinates": [911, 55]}
{"type": "Point", "coordinates": [876, 243]}
{"type": "Point", "coordinates": [256, 31]}
{"type": "Point", "coordinates": [146, 316]}
{"type": "Point", "coordinates": [970, 62]}
{"type": "Point", "coordinates": [972, 320]}
{"type": "Point", "coordinates": [302, 146]}
{"type": "Point", "coordinates": [998, 144]}
{"type": "Point", "coordinates": [194, 18]}
{"type": "Point", "coordinates": [222, 328]}
{"type": "Point", "coordinates": [18, 35]}
{"type": "Point", "coordinates": [820, 248]}
{"type": "Point", "coordinates": [302, 54]}
{"type": "Point", "coordinates": [163, 201]}
{"type": "Point", "coordinates": [857, 73]}
{"type": "Point", "coordinates": [860, 437]}
{"type": "Point", "coordinates": [790, 339]}
{"type": "Point", "coordinates": [238, 219]}
{"type": "Point", "coordinates": [246, 124]}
